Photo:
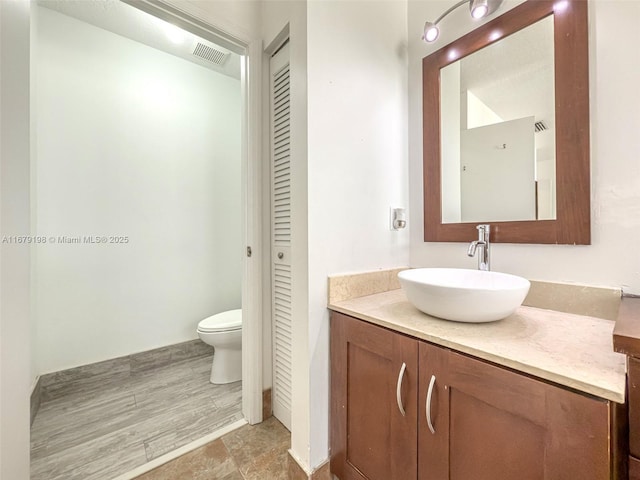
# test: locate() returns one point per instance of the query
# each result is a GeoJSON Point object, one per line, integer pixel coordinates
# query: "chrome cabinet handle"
{"type": "Point", "coordinates": [280, 255]}
{"type": "Point", "coordinates": [428, 406]}
{"type": "Point", "coordinates": [399, 388]}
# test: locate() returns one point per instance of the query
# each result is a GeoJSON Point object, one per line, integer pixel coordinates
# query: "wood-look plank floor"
{"type": "Point", "coordinates": [99, 430]}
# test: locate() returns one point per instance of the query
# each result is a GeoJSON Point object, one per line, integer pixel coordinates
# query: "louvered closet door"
{"type": "Point", "coordinates": [281, 235]}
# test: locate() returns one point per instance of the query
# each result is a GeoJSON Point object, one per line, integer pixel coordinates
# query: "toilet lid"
{"type": "Point", "coordinates": [220, 322]}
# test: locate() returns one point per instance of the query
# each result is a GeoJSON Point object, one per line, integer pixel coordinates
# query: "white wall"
{"type": "Point", "coordinates": [14, 258]}
{"type": "Point", "coordinates": [357, 163]}
{"type": "Point", "coordinates": [477, 113]}
{"type": "Point", "coordinates": [452, 121]}
{"type": "Point", "coordinates": [498, 184]}
{"type": "Point", "coordinates": [33, 114]}
{"type": "Point", "coordinates": [613, 259]}
{"type": "Point", "coordinates": [132, 142]}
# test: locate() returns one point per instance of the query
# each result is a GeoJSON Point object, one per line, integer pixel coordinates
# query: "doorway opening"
{"type": "Point", "coordinates": [139, 190]}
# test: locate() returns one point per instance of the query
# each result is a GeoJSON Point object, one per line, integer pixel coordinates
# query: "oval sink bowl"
{"type": "Point", "coordinates": [464, 295]}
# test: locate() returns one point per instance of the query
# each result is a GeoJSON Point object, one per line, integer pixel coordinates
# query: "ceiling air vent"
{"type": "Point", "coordinates": [209, 54]}
{"type": "Point", "coordinates": [541, 126]}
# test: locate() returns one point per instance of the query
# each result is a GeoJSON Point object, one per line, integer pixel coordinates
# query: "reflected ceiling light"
{"type": "Point", "coordinates": [477, 8]}
{"type": "Point", "coordinates": [495, 35]}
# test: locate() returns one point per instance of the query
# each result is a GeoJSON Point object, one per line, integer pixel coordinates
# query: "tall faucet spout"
{"type": "Point", "coordinates": [483, 243]}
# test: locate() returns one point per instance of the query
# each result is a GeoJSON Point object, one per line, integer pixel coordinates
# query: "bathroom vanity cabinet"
{"type": "Point", "coordinates": [370, 437]}
{"type": "Point", "coordinates": [403, 408]}
{"type": "Point", "coordinates": [626, 339]}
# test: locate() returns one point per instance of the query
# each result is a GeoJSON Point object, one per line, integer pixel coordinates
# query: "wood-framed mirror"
{"type": "Point", "coordinates": [565, 217]}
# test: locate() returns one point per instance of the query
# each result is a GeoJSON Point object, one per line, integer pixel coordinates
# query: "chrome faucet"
{"type": "Point", "coordinates": [483, 243]}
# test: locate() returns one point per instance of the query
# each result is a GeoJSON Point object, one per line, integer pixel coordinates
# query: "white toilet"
{"type": "Point", "coordinates": [223, 331]}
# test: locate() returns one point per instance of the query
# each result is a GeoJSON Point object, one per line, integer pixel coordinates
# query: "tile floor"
{"type": "Point", "coordinates": [101, 429]}
{"type": "Point", "coordinates": [257, 452]}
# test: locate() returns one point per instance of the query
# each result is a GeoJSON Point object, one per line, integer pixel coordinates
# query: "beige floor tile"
{"type": "Point", "coordinates": [211, 461]}
{"type": "Point", "coordinates": [249, 443]}
{"type": "Point", "coordinates": [253, 452]}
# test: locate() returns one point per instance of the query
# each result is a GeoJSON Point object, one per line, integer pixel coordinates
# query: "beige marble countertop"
{"type": "Point", "coordinates": [572, 350]}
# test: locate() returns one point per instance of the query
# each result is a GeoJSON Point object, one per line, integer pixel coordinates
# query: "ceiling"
{"type": "Point", "coordinates": [514, 77]}
{"type": "Point", "coordinates": [127, 21]}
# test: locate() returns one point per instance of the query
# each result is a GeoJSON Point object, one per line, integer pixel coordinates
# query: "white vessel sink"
{"type": "Point", "coordinates": [464, 295]}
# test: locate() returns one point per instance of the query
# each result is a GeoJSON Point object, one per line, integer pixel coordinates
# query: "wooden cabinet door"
{"type": "Point", "coordinates": [370, 437]}
{"type": "Point", "coordinates": [633, 382]}
{"type": "Point", "coordinates": [491, 423]}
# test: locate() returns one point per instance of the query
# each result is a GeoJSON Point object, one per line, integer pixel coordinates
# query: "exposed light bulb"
{"type": "Point", "coordinates": [479, 12]}
{"type": "Point", "coordinates": [479, 8]}
{"type": "Point", "coordinates": [431, 32]}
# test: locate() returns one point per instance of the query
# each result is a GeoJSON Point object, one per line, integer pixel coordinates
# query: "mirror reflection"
{"type": "Point", "coordinates": [497, 128]}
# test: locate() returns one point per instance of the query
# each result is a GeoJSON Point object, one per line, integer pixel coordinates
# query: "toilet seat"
{"type": "Point", "coordinates": [222, 322]}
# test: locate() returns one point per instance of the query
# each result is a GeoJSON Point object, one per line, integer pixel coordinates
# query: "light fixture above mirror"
{"type": "Point", "coordinates": [568, 215]}
{"type": "Point", "coordinates": [477, 8]}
